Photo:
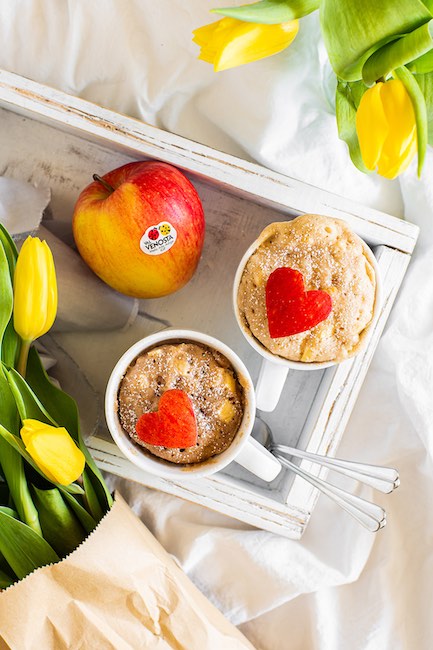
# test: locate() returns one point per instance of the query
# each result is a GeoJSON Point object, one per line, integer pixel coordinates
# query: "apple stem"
{"type": "Point", "coordinates": [104, 183]}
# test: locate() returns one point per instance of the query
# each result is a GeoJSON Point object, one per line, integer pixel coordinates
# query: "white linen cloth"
{"type": "Point", "coordinates": [85, 302]}
{"type": "Point", "coordinates": [340, 587]}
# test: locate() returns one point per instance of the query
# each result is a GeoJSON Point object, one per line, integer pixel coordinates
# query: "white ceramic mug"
{"type": "Point", "coordinates": [274, 369]}
{"type": "Point", "coordinates": [244, 449]}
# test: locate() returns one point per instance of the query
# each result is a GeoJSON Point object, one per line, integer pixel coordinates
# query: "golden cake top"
{"type": "Point", "coordinates": [331, 258]}
{"type": "Point", "coordinates": [210, 382]}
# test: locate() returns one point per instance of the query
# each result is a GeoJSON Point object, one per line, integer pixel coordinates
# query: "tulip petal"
{"type": "Point", "coordinates": [230, 42]}
{"type": "Point", "coordinates": [31, 428]}
{"type": "Point", "coordinates": [386, 127]}
{"type": "Point", "coordinates": [203, 35]}
{"type": "Point", "coordinates": [392, 168]}
{"type": "Point", "coordinates": [250, 42]}
{"type": "Point", "coordinates": [54, 451]}
{"type": "Point", "coordinates": [212, 38]}
{"type": "Point", "coordinates": [35, 290]}
{"type": "Point", "coordinates": [400, 117]}
{"type": "Point", "coordinates": [52, 299]}
{"type": "Point", "coordinates": [371, 126]}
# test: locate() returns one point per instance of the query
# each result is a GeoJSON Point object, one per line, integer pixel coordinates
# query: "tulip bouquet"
{"type": "Point", "coordinates": [51, 492]}
{"type": "Point", "coordinates": [382, 56]}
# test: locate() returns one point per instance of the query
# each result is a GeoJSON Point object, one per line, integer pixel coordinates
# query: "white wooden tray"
{"type": "Point", "coordinates": [51, 138]}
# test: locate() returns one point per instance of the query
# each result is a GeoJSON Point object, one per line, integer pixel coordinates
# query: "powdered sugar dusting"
{"type": "Point", "coordinates": [331, 258]}
{"type": "Point", "coordinates": [209, 380]}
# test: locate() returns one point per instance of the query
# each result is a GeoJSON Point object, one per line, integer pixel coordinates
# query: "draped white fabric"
{"type": "Point", "coordinates": [340, 587]}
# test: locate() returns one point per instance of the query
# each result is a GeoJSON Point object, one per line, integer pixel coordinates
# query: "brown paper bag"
{"type": "Point", "coordinates": [120, 590]}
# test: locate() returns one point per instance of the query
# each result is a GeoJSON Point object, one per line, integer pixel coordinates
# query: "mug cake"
{"type": "Point", "coordinates": [330, 268]}
{"type": "Point", "coordinates": [210, 383]}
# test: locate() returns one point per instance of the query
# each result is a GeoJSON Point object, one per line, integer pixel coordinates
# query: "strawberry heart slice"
{"type": "Point", "coordinates": [289, 307]}
{"type": "Point", "coordinates": [173, 425]}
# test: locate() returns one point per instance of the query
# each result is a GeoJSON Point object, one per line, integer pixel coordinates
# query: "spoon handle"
{"type": "Point", "coordinates": [368, 514]}
{"type": "Point", "coordinates": [385, 479]}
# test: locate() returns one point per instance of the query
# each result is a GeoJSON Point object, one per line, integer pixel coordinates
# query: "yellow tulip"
{"type": "Point", "coordinates": [35, 294]}
{"type": "Point", "coordinates": [54, 451]}
{"type": "Point", "coordinates": [386, 128]}
{"type": "Point", "coordinates": [230, 42]}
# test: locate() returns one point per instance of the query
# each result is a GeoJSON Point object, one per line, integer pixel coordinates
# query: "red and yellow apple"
{"type": "Point", "coordinates": [140, 228]}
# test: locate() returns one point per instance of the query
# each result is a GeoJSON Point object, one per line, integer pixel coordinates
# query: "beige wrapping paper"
{"type": "Point", "coordinates": [120, 590]}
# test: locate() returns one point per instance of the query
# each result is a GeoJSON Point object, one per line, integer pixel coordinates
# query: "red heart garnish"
{"type": "Point", "coordinates": [289, 307]}
{"type": "Point", "coordinates": [173, 425]}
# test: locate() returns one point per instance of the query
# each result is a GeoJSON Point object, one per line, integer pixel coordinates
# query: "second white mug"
{"type": "Point", "coordinates": [274, 369]}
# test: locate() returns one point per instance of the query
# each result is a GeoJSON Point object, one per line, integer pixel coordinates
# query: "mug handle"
{"type": "Point", "coordinates": [270, 385]}
{"type": "Point", "coordinates": [258, 460]}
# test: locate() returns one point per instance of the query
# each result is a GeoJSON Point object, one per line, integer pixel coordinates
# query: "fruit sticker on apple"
{"type": "Point", "coordinates": [158, 239]}
{"type": "Point", "coordinates": [141, 228]}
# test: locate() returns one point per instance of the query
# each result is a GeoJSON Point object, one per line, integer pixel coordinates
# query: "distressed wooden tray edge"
{"type": "Point", "coordinates": [218, 168]}
{"type": "Point", "coordinates": [235, 175]}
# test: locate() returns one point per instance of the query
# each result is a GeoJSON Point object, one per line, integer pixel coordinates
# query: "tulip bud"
{"type": "Point", "coordinates": [54, 451]}
{"type": "Point", "coordinates": [230, 42]}
{"type": "Point", "coordinates": [35, 294]}
{"type": "Point", "coordinates": [386, 128]}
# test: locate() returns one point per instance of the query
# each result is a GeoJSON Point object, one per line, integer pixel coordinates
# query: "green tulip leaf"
{"type": "Point", "coordinates": [422, 65]}
{"type": "Point", "coordinates": [10, 249]}
{"type": "Point", "coordinates": [425, 82]}
{"type": "Point", "coordinates": [23, 549]}
{"type": "Point", "coordinates": [11, 458]}
{"type": "Point", "coordinates": [352, 33]}
{"type": "Point", "coordinates": [82, 514]}
{"type": "Point", "coordinates": [396, 54]}
{"type": "Point", "coordinates": [6, 291]}
{"type": "Point", "coordinates": [60, 526]}
{"type": "Point", "coordinates": [348, 96]}
{"type": "Point", "coordinates": [61, 406]}
{"type": "Point", "coordinates": [420, 108]}
{"type": "Point", "coordinates": [11, 340]}
{"type": "Point", "coordinates": [270, 12]}
{"type": "Point", "coordinates": [64, 411]}
{"type": "Point", "coordinates": [9, 511]}
{"type": "Point", "coordinates": [9, 416]}
{"type": "Point", "coordinates": [5, 568]}
{"type": "Point", "coordinates": [28, 404]}
{"type": "Point", "coordinates": [91, 496]}
{"type": "Point", "coordinates": [5, 580]}
{"type": "Point", "coordinates": [4, 494]}
{"type": "Point", "coordinates": [11, 346]}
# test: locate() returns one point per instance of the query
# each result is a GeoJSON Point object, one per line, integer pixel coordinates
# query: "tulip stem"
{"type": "Point", "coordinates": [22, 359]}
{"type": "Point", "coordinates": [107, 186]}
